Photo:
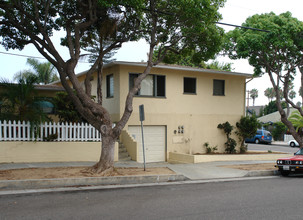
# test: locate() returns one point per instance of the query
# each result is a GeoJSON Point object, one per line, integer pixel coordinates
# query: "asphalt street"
{"type": "Point", "coordinates": [272, 147]}
{"type": "Point", "coordinates": [264, 198]}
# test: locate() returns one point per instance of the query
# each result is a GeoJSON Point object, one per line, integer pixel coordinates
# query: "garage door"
{"type": "Point", "coordinates": [154, 142]}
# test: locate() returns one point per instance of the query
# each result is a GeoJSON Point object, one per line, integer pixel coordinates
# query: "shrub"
{"type": "Point", "coordinates": [209, 149]}
{"type": "Point", "coordinates": [278, 131]}
{"type": "Point", "coordinates": [230, 144]}
{"type": "Point", "coordinates": [246, 127]}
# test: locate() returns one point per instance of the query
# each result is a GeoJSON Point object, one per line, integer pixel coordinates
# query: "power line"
{"type": "Point", "coordinates": [21, 55]}
{"type": "Point", "coordinates": [28, 56]}
{"type": "Point", "coordinates": [238, 26]}
{"type": "Point", "coordinates": [233, 25]}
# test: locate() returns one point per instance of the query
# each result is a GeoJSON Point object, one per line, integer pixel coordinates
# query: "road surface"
{"type": "Point", "coordinates": [272, 147]}
{"type": "Point", "coordinates": [265, 198]}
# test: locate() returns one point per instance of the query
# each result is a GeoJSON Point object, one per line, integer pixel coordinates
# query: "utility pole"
{"type": "Point", "coordinates": [248, 93]}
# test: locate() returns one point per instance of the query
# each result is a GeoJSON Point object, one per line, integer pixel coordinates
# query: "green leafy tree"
{"type": "Point", "coordinates": [277, 52]}
{"type": "Point", "coordinates": [216, 65]}
{"type": "Point", "coordinates": [292, 94]}
{"type": "Point", "coordinates": [261, 112]}
{"type": "Point", "coordinates": [254, 95]}
{"type": "Point", "coordinates": [272, 107]}
{"type": "Point", "coordinates": [65, 109]}
{"type": "Point", "coordinates": [170, 25]}
{"type": "Point", "coordinates": [246, 128]}
{"type": "Point", "coordinates": [44, 72]}
{"type": "Point", "coordinates": [186, 58]}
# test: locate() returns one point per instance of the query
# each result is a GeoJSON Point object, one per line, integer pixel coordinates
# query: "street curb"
{"type": "Point", "coordinates": [255, 173]}
{"type": "Point", "coordinates": [87, 181]}
{"type": "Point", "coordinates": [7, 185]}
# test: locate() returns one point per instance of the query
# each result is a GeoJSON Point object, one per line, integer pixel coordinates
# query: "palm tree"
{"type": "Point", "coordinates": [19, 102]}
{"type": "Point", "coordinates": [254, 95]}
{"type": "Point", "coordinates": [269, 93]}
{"type": "Point", "coordinates": [297, 120]}
{"type": "Point", "coordinates": [45, 72]}
{"type": "Point", "coordinates": [23, 75]}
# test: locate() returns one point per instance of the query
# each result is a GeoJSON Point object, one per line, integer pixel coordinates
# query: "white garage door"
{"type": "Point", "coordinates": [154, 142]}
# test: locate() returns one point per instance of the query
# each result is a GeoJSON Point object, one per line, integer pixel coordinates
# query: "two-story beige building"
{"type": "Point", "coordinates": [183, 107]}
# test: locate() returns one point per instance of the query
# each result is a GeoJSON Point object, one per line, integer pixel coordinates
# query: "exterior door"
{"type": "Point", "coordinates": [154, 142]}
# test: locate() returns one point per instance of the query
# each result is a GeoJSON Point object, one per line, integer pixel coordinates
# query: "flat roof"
{"type": "Point", "coordinates": [171, 67]}
{"type": "Point", "coordinates": [48, 87]}
{"type": "Point", "coordinates": [178, 67]}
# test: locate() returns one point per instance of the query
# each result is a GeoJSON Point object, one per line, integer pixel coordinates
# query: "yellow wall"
{"type": "Point", "coordinates": [199, 114]}
{"type": "Point", "coordinates": [130, 144]}
{"type": "Point", "coordinates": [32, 152]}
{"type": "Point", "coordinates": [185, 158]}
{"type": "Point", "coordinates": [112, 104]}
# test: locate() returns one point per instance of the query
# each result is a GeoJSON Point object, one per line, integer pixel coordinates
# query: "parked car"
{"type": "Point", "coordinates": [262, 136]}
{"type": "Point", "coordinates": [292, 164]}
{"type": "Point", "coordinates": [293, 143]}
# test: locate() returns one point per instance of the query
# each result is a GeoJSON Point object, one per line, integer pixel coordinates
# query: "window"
{"type": "Point", "coordinates": [110, 86]}
{"type": "Point", "coordinates": [152, 85]}
{"type": "Point", "coordinates": [189, 85]}
{"type": "Point", "coordinates": [219, 87]}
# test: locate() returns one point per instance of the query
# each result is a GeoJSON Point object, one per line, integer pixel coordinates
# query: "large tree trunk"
{"type": "Point", "coordinates": [106, 163]}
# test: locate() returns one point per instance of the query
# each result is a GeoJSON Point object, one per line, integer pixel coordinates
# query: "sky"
{"type": "Point", "coordinates": [234, 12]}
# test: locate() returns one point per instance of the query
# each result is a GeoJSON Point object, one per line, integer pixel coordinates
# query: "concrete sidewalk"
{"type": "Point", "coordinates": [184, 172]}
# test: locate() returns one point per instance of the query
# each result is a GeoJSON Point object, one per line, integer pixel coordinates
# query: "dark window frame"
{"type": "Point", "coordinates": [157, 80]}
{"type": "Point", "coordinates": [185, 86]}
{"type": "Point", "coordinates": [108, 86]}
{"type": "Point", "coordinates": [221, 90]}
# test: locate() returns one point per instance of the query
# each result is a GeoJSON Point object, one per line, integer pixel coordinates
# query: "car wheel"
{"type": "Point", "coordinates": [292, 144]}
{"type": "Point", "coordinates": [257, 141]}
{"type": "Point", "coordinates": [284, 173]}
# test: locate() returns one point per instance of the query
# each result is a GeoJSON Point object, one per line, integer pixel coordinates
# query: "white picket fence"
{"type": "Point", "coordinates": [23, 131]}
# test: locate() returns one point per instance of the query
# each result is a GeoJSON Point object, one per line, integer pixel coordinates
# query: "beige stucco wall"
{"type": "Point", "coordinates": [186, 158]}
{"type": "Point", "coordinates": [31, 152]}
{"type": "Point", "coordinates": [130, 144]}
{"type": "Point", "coordinates": [199, 114]}
{"type": "Point", "coordinates": [112, 104]}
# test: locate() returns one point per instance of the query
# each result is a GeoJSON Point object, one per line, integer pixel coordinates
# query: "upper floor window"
{"type": "Point", "coordinates": [110, 86]}
{"type": "Point", "coordinates": [219, 87]}
{"type": "Point", "coordinates": [190, 85]}
{"type": "Point", "coordinates": [152, 85]}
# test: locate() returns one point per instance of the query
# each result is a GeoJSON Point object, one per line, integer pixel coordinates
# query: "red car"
{"type": "Point", "coordinates": [290, 165]}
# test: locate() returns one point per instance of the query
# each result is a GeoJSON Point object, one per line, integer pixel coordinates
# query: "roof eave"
{"type": "Point", "coordinates": [192, 69]}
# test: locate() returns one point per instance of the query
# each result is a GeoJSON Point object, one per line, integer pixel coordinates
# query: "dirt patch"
{"type": "Point", "coordinates": [259, 166]}
{"type": "Point", "coordinates": [75, 172]}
